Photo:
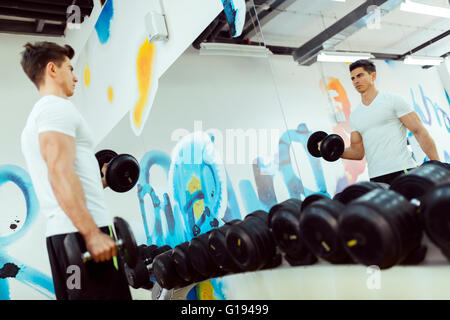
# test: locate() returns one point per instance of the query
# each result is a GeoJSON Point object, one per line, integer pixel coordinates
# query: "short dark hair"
{"type": "Point", "coordinates": [365, 64]}
{"type": "Point", "coordinates": [36, 56]}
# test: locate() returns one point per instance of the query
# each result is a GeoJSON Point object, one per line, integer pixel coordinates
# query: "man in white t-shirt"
{"type": "Point", "coordinates": [379, 128]}
{"type": "Point", "coordinates": [58, 148]}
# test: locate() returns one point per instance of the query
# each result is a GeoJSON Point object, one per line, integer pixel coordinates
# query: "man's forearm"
{"type": "Point", "coordinates": [427, 144]}
{"type": "Point", "coordinates": [69, 193]}
{"type": "Point", "coordinates": [351, 154]}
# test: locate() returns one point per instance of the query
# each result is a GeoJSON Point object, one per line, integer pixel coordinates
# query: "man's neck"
{"type": "Point", "coordinates": [368, 96]}
{"type": "Point", "coordinates": [45, 91]}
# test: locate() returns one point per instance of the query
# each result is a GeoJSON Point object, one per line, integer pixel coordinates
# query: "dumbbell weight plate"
{"type": "Point", "coordinates": [332, 147]}
{"type": "Point", "coordinates": [73, 252]}
{"type": "Point", "coordinates": [199, 255]}
{"type": "Point", "coordinates": [104, 156]}
{"type": "Point", "coordinates": [183, 263]}
{"type": "Point", "coordinates": [313, 143]}
{"type": "Point", "coordinates": [319, 230]}
{"type": "Point", "coordinates": [284, 221]}
{"type": "Point", "coordinates": [435, 213]}
{"type": "Point", "coordinates": [138, 276]}
{"type": "Point", "coordinates": [312, 198]}
{"type": "Point", "coordinates": [165, 272]}
{"type": "Point", "coordinates": [417, 182]}
{"type": "Point", "coordinates": [357, 190]}
{"type": "Point", "coordinates": [129, 248]}
{"type": "Point", "coordinates": [218, 249]}
{"type": "Point", "coordinates": [122, 173]}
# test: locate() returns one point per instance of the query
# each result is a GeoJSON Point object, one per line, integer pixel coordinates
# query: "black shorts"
{"type": "Point", "coordinates": [102, 281]}
{"type": "Point", "coordinates": [388, 178]}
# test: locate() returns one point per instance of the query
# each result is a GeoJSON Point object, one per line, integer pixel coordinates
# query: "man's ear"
{"type": "Point", "coordinates": [50, 69]}
{"type": "Point", "coordinates": [374, 75]}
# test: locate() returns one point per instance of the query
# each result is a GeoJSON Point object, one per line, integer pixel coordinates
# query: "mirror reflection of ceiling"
{"type": "Point", "coordinates": [302, 28]}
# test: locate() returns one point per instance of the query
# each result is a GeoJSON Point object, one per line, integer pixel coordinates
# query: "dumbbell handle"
{"type": "Point", "coordinates": [87, 255]}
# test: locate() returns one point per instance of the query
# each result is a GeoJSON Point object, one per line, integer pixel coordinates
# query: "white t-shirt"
{"type": "Point", "coordinates": [52, 113]}
{"type": "Point", "coordinates": [383, 134]}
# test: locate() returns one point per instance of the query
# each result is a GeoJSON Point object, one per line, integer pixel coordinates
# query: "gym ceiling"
{"type": "Point", "coordinates": [300, 28]}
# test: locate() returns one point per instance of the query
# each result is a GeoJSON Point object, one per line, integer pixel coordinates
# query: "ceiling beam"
{"type": "Point", "coordinates": [341, 29]}
{"type": "Point", "coordinates": [427, 43]}
{"type": "Point", "coordinates": [32, 15]}
{"type": "Point", "coordinates": [41, 7]}
{"type": "Point", "coordinates": [24, 27]}
{"type": "Point", "coordinates": [81, 3]}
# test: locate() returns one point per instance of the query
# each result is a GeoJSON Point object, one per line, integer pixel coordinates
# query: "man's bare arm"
{"type": "Point", "coordinates": [356, 149]}
{"type": "Point", "coordinates": [58, 151]}
{"type": "Point", "coordinates": [412, 122]}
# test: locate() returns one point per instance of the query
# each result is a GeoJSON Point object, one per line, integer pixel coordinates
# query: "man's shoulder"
{"type": "Point", "coordinates": [55, 103]}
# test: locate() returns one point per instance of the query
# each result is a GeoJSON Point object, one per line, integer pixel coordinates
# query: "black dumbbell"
{"type": "Point", "coordinates": [218, 248]}
{"type": "Point", "coordinates": [122, 172]}
{"type": "Point", "coordinates": [164, 269]}
{"type": "Point", "coordinates": [125, 242]}
{"type": "Point", "coordinates": [200, 257]}
{"type": "Point", "coordinates": [250, 243]}
{"type": "Point", "coordinates": [380, 228]}
{"type": "Point", "coordinates": [418, 181]}
{"type": "Point", "coordinates": [331, 146]}
{"type": "Point", "coordinates": [357, 190]}
{"type": "Point", "coordinates": [319, 226]}
{"type": "Point", "coordinates": [284, 222]}
{"type": "Point", "coordinates": [435, 212]}
{"type": "Point", "coordinates": [394, 229]}
{"type": "Point", "coordinates": [183, 264]}
{"type": "Point", "coordinates": [139, 276]}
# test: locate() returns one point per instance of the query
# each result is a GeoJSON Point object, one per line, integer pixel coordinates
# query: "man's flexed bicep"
{"type": "Point", "coordinates": [356, 149]}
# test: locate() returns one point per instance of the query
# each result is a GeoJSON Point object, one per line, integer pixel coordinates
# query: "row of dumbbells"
{"type": "Point", "coordinates": [368, 223]}
{"type": "Point", "coordinates": [237, 246]}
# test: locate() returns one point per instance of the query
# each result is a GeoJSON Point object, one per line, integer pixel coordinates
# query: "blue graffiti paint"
{"type": "Point", "coordinates": [294, 183]}
{"type": "Point", "coordinates": [27, 275]}
{"type": "Point", "coordinates": [103, 24]}
{"type": "Point", "coordinates": [249, 197]}
{"type": "Point", "coordinates": [235, 12]}
{"type": "Point", "coordinates": [198, 178]}
{"type": "Point", "coordinates": [152, 214]}
{"type": "Point", "coordinates": [264, 183]}
{"type": "Point", "coordinates": [30, 277]}
{"type": "Point", "coordinates": [427, 103]}
{"type": "Point", "coordinates": [17, 175]}
{"type": "Point", "coordinates": [232, 212]}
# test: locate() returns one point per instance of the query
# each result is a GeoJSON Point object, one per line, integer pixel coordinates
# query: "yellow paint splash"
{"type": "Point", "coordinates": [110, 94]}
{"type": "Point", "coordinates": [205, 291]}
{"type": "Point", "coordinates": [144, 66]}
{"type": "Point", "coordinates": [199, 206]}
{"type": "Point", "coordinates": [87, 76]}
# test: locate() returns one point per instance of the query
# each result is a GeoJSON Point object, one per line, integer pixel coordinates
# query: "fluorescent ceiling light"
{"type": "Point", "coordinates": [423, 61]}
{"type": "Point", "coordinates": [334, 56]}
{"type": "Point", "coordinates": [240, 50]}
{"type": "Point", "coordinates": [422, 8]}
